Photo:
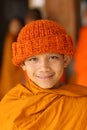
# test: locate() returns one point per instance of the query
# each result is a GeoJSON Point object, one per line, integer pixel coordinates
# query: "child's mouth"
{"type": "Point", "coordinates": [45, 77]}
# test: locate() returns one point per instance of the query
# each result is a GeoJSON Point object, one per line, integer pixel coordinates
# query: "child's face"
{"type": "Point", "coordinates": [45, 70]}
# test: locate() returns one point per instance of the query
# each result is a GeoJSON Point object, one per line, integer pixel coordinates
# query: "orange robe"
{"type": "Point", "coordinates": [10, 74]}
{"type": "Point", "coordinates": [81, 58]}
{"type": "Point", "coordinates": [28, 107]}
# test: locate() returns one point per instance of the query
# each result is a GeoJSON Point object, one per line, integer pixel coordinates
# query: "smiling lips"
{"type": "Point", "coordinates": [46, 76]}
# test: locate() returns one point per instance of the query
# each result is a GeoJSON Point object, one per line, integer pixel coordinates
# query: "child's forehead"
{"type": "Point", "coordinates": [46, 54]}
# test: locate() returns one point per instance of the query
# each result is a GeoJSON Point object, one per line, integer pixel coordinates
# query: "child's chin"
{"type": "Point", "coordinates": [47, 85]}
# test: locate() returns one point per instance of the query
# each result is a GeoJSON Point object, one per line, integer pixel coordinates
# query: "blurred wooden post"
{"type": "Point", "coordinates": [66, 12]}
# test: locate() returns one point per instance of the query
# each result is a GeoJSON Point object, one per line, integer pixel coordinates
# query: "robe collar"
{"type": "Point", "coordinates": [66, 90]}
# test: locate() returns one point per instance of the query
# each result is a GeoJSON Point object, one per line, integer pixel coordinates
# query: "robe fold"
{"type": "Point", "coordinates": [29, 107]}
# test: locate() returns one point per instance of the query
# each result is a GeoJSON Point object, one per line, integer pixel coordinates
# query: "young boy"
{"type": "Point", "coordinates": [43, 49]}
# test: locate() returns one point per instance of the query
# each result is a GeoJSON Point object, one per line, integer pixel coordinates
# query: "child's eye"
{"type": "Point", "coordinates": [32, 59]}
{"type": "Point", "coordinates": [54, 57]}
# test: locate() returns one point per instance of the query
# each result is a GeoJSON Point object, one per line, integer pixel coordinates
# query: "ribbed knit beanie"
{"type": "Point", "coordinates": [41, 36]}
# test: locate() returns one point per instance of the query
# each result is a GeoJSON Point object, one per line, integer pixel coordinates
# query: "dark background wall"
{"type": "Point", "coordinates": [9, 9]}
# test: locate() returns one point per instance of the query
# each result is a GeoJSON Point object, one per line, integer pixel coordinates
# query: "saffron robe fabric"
{"type": "Point", "coordinates": [81, 58]}
{"type": "Point", "coordinates": [28, 107]}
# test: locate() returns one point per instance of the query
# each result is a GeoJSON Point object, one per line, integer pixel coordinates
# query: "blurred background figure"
{"type": "Point", "coordinates": [33, 14]}
{"type": "Point", "coordinates": [81, 53]}
{"type": "Point", "coordinates": [10, 75]}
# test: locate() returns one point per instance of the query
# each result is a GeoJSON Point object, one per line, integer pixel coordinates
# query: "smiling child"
{"type": "Point", "coordinates": [43, 50]}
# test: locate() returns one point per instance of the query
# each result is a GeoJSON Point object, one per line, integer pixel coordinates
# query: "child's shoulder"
{"type": "Point", "coordinates": [74, 90]}
{"type": "Point", "coordinates": [75, 96]}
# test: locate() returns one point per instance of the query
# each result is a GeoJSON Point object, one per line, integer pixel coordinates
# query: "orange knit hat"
{"type": "Point", "coordinates": [41, 36]}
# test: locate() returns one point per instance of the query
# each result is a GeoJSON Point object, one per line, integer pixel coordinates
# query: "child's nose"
{"type": "Point", "coordinates": [44, 66]}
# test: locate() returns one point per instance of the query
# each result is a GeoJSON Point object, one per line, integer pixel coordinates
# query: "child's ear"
{"type": "Point", "coordinates": [23, 66]}
{"type": "Point", "coordinates": [67, 60]}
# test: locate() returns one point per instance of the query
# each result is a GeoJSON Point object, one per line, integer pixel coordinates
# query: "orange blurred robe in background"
{"type": "Point", "coordinates": [81, 58]}
{"type": "Point", "coordinates": [10, 74]}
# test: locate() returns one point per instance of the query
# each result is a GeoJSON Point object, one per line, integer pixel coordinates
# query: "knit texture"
{"type": "Point", "coordinates": [41, 36]}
